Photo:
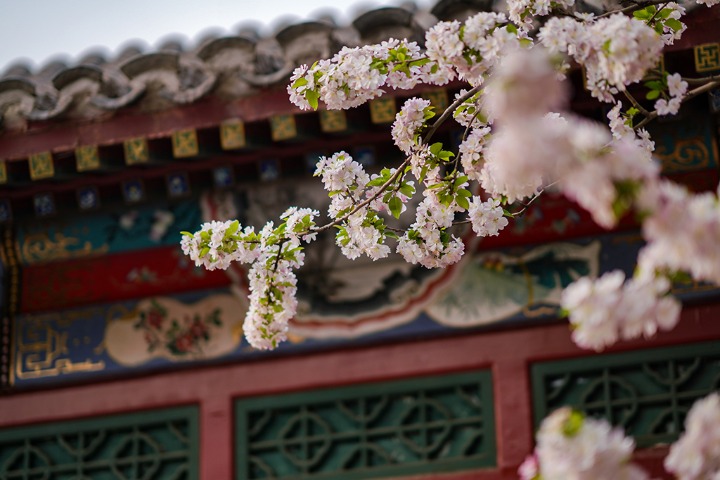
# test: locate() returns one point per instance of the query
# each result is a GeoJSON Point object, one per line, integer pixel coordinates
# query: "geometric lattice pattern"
{"type": "Point", "coordinates": [385, 429]}
{"type": "Point", "coordinates": [157, 445]}
{"type": "Point", "coordinates": [707, 57]}
{"type": "Point", "coordinates": [647, 392]}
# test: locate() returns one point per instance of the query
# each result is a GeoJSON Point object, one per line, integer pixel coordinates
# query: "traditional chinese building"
{"type": "Point", "coordinates": [121, 360]}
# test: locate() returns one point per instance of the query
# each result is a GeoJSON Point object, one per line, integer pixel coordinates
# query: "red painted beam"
{"type": "Point", "coordinates": [508, 353]}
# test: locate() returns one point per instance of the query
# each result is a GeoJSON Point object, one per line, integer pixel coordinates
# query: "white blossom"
{"type": "Point", "coordinates": [608, 309]}
{"type": "Point", "coordinates": [696, 455]}
{"type": "Point", "coordinates": [572, 446]}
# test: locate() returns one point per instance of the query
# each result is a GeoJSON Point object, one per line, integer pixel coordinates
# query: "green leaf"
{"type": "Point", "coordinates": [312, 97]}
{"type": "Point", "coordinates": [652, 94]}
{"type": "Point", "coordinates": [232, 228]}
{"type": "Point", "coordinates": [391, 234]}
{"type": "Point", "coordinates": [642, 14]}
{"type": "Point", "coordinates": [407, 190]}
{"type": "Point", "coordinates": [511, 28]}
{"type": "Point", "coordinates": [187, 234]}
{"type": "Point", "coordinates": [462, 202]}
{"type": "Point", "coordinates": [395, 205]}
{"type": "Point", "coordinates": [632, 111]}
{"type": "Point", "coordinates": [573, 424]}
{"type": "Point", "coordinates": [436, 148]}
{"type": "Point", "coordinates": [606, 45]}
{"type": "Point", "coordinates": [654, 85]}
{"type": "Point", "coordinates": [420, 62]}
{"type": "Point", "coordinates": [460, 180]}
{"type": "Point", "coordinates": [464, 193]}
{"type": "Point", "coordinates": [299, 82]}
{"type": "Point", "coordinates": [204, 251]}
{"type": "Point", "coordinates": [665, 13]}
{"type": "Point", "coordinates": [376, 182]}
{"type": "Point", "coordinates": [676, 25]}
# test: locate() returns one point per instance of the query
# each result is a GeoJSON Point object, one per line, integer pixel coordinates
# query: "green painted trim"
{"type": "Point", "coordinates": [243, 407]}
{"type": "Point", "coordinates": [189, 415]}
{"type": "Point", "coordinates": [539, 371]}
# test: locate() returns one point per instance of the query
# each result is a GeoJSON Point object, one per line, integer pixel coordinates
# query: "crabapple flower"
{"type": "Point", "coordinates": [682, 230]}
{"type": "Point", "coordinates": [696, 455]}
{"type": "Point", "coordinates": [524, 84]}
{"type": "Point", "coordinates": [487, 218]}
{"type": "Point", "coordinates": [408, 124]}
{"type": "Point", "coordinates": [616, 51]}
{"type": "Point", "coordinates": [677, 88]}
{"type": "Point", "coordinates": [428, 241]}
{"type": "Point", "coordinates": [471, 152]}
{"type": "Point", "coordinates": [521, 12]}
{"type": "Point", "coordinates": [273, 300]}
{"type": "Point", "coordinates": [217, 244]}
{"type": "Point", "coordinates": [608, 309]}
{"type": "Point", "coordinates": [572, 446]}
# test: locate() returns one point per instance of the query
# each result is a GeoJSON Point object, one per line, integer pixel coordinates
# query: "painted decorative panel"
{"type": "Point", "coordinates": [707, 57]}
{"type": "Point", "coordinates": [149, 334]}
{"type": "Point", "coordinates": [684, 146]}
{"type": "Point", "coordinates": [152, 445]}
{"type": "Point", "coordinates": [137, 320]}
{"type": "Point", "coordinates": [101, 233]}
{"type": "Point", "coordinates": [406, 427]}
{"type": "Point", "coordinates": [647, 392]}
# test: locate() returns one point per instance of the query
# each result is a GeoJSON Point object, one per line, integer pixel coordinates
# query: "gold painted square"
{"type": "Point", "coordinates": [41, 166]}
{"type": "Point", "coordinates": [185, 143]}
{"type": "Point", "coordinates": [136, 151]}
{"type": "Point", "coordinates": [3, 172]}
{"type": "Point", "coordinates": [283, 127]}
{"type": "Point", "coordinates": [707, 57]}
{"type": "Point", "coordinates": [438, 99]}
{"type": "Point", "coordinates": [382, 110]}
{"type": "Point", "coordinates": [232, 134]}
{"type": "Point", "coordinates": [332, 121]}
{"type": "Point", "coordinates": [87, 158]}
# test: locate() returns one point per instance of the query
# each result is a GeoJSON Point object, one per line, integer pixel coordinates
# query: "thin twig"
{"type": "Point", "coordinates": [448, 111]}
{"type": "Point", "coordinates": [632, 7]}
{"type": "Point", "coordinates": [425, 139]}
{"type": "Point", "coordinates": [702, 80]}
{"type": "Point", "coordinates": [658, 10]}
{"type": "Point", "coordinates": [636, 104]}
{"type": "Point", "coordinates": [692, 93]}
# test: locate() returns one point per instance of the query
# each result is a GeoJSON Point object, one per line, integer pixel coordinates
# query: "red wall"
{"type": "Point", "coordinates": [508, 353]}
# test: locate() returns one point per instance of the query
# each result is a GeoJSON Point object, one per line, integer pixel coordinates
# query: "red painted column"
{"type": "Point", "coordinates": [513, 412]}
{"type": "Point", "coordinates": [216, 439]}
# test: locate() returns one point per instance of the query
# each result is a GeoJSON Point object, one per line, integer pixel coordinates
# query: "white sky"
{"type": "Point", "coordinates": [36, 31]}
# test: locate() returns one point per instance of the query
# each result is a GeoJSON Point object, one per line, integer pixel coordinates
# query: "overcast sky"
{"type": "Point", "coordinates": [36, 31]}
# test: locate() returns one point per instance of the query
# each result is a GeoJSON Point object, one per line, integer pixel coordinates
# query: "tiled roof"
{"type": "Point", "coordinates": [227, 67]}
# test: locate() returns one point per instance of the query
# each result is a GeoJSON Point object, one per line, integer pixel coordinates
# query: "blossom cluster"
{"type": "Point", "coordinates": [356, 75]}
{"type": "Point", "coordinates": [677, 88]}
{"type": "Point", "coordinates": [696, 455]}
{"type": "Point", "coordinates": [470, 50]}
{"type": "Point", "coordinates": [521, 12]}
{"type": "Point", "coordinates": [428, 241]}
{"type": "Point", "coordinates": [572, 446]}
{"type": "Point", "coordinates": [519, 140]}
{"type": "Point", "coordinates": [608, 309]}
{"type": "Point", "coordinates": [487, 218]}
{"type": "Point", "coordinates": [616, 51]}
{"type": "Point", "coordinates": [682, 230]}
{"type": "Point", "coordinates": [273, 254]}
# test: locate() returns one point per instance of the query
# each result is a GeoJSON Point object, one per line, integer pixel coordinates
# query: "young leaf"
{"type": "Point", "coordinates": [395, 206]}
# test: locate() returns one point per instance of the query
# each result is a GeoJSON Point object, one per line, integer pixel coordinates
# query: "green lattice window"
{"type": "Point", "coordinates": [647, 392]}
{"type": "Point", "coordinates": [153, 445]}
{"type": "Point", "coordinates": [393, 428]}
